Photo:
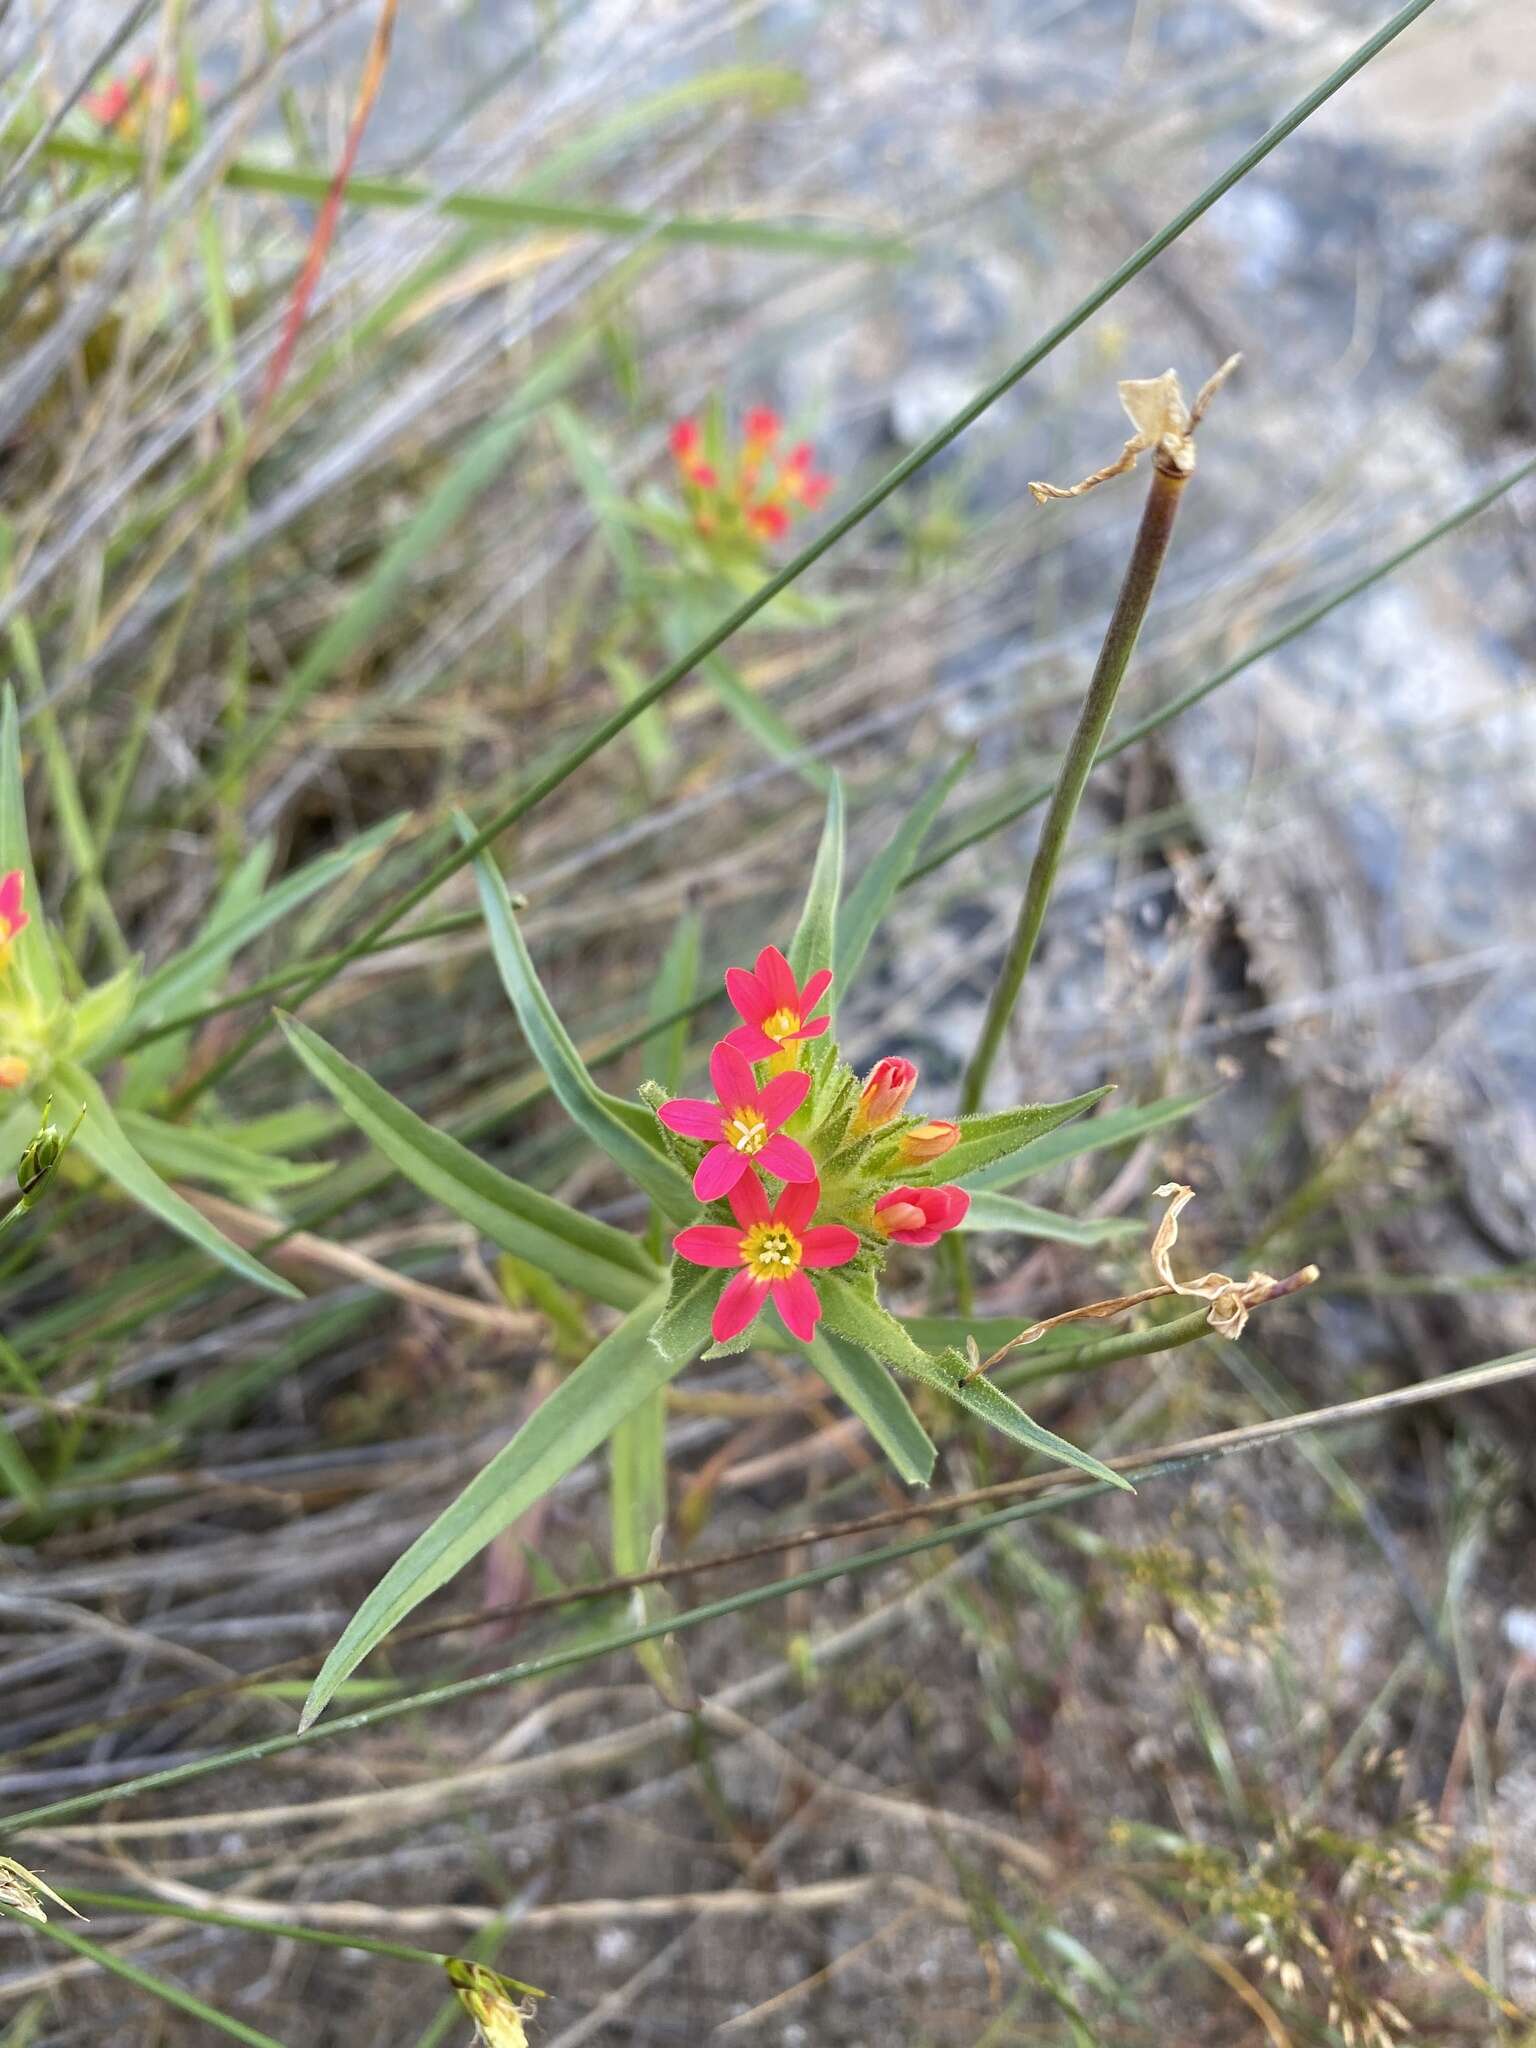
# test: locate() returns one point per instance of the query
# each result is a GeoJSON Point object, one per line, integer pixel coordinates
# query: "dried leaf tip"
{"type": "Point", "coordinates": [1164, 424]}
{"type": "Point", "coordinates": [23, 1889]}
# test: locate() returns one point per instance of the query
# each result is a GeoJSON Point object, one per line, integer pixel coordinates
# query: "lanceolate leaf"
{"type": "Point", "coordinates": [103, 1141]}
{"type": "Point", "coordinates": [1023, 1219]}
{"type": "Point", "coordinates": [610, 1381]}
{"type": "Point", "coordinates": [591, 1257]}
{"type": "Point", "coordinates": [625, 1131]}
{"type": "Point", "coordinates": [189, 976]}
{"type": "Point", "coordinates": [815, 942]}
{"type": "Point", "coordinates": [852, 1311]}
{"type": "Point", "coordinates": [867, 902]}
{"type": "Point", "coordinates": [865, 1386]}
{"type": "Point", "coordinates": [637, 1503]}
{"type": "Point", "coordinates": [195, 1152]}
{"type": "Point", "coordinates": [1114, 1127]}
{"type": "Point", "coordinates": [996, 1135]}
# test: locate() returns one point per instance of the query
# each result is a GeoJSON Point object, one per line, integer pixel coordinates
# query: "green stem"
{"type": "Point", "coordinates": [1147, 558]}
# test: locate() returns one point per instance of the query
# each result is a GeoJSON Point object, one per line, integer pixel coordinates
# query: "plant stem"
{"type": "Point", "coordinates": [1147, 557]}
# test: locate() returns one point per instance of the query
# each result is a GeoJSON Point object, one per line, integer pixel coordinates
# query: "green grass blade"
{"type": "Point", "coordinates": [610, 1381]}
{"type": "Point", "coordinates": [196, 1152]}
{"type": "Point", "coordinates": [506, 212]}
{"type": "Point", "coordinates": [578, 1251]}
{"type": "Point", "coordinates": [103, 1141]}
{"type": "Point", "coordinates": [31, 951]}
{"type": "Point", "coordinates": [146, 1980]}
{"type": "Point", "coordinates": [859, 918]}
{"type": "Point", "coordinates": [1023, 1219]}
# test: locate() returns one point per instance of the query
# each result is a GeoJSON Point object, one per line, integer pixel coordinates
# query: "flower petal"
{"type": "Point", "coordinates": [813, 992]}
{"type": "Point", "coordinates": [782, 1096]}
{"type": "Point", "coordinates": [731, 1076]}
{"type": "Point", "coordinates": [774, 972]}
{"type": "Point", "coordinates": [798, 1305]}
{"type": "Point", "coordinates": [829, 1244]}
{"type": "Point", "coordinates": [719, 1170]}
{"type": "Point", "coordinates": [812, 1030]}
{"type": "Point", "coordinates": [752, 1042]}
{"type": "Point", "coordinates": [797, 1205]}
{"type": "Point", "coordinates": [709, 1244]}
{"type": "Point", "coordinates": [750, 999]}
{"type": "Point", "coordinates": [749, 1204]}
{"type": "Point", "coordinates": [738, 1304]}
{"type": "Point", "coordinates": [691, 1118]}
{"type": "Point", "coordinates": [784, 1157]}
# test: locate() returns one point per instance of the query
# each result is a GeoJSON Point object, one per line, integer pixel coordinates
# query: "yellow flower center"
{"type": "Point", "coordinates": [745, 1131]}
{"type": "Point", "coordinates": [781, 1024]}
{"type": "Point", "coordinates": [771, 1251]}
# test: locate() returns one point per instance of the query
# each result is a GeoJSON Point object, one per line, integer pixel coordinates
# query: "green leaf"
{"type": "Point", "coordinates": [592, 1257]}
{"type": "Point", "coordinates": [761, 723]}
{"type": "Point", "coordinates": [614, 1378]}
{"type": "Point", "coordinates": [682, 1329]}
{"type": "Point", "coordinates": [867, 902]}
{"type": "Point", "coordinates": [101, 1010]}
{"type": "Point", "coordinates": [853, 1312]}
{"type": "Point", "coordinates": [200, 1152]}
{"type": "Point", "coordinates": [189, 975]}
{"type": "Point", "coordinates": [815, 942]}
{"type": "Point", "coordinates": [863, 1384]}
{"type": "Point", "coordinates": [1023, 1219]}
{"type": "Point", "coordinates": [1115, 1127]}
{"type": "Point", "coordinates": [31, 955]}
{"type": "Point", "coordinates": [995, 1135]}
{"type": "Point", "coordinates": [103, 1141]}
{"type": "Point", "coordinates": [625, 1131]}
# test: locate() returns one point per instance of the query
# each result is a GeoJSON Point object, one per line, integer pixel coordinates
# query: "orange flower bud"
{"type": "Point", "coordinates": [13, 1071]}
{"type": "Point", "coordinates": [886, 1093]}
{"type": "Point", "coordinates": [929, 1141]}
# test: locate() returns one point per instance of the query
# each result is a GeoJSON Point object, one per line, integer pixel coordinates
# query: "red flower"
{"type": "Point", "coordinates": [771, 521]}
{"type": "Point", "coordinates": [772, 1247]}
{"type": "Point", "coordinates": [799, 458]}
{"type": "Point", "coordinates": [761, 425]}
{"type": "Point", "coordinates": [775, 1011]}
{"type": "Point", "coordinates": [13, 918]}
{"type": "Point", "coordinates": [684, 439]}
{"type": "Point", "coordinates": [703, 474]}
{"type": "Point", "coordinates": [813, 490]}
{"type": "Point", "coordinates": [744, 1124]}
{"type": "Point", "coordinates": [920, 1215]}
{"type": "Point", "coordinates": [884, 1096]}
{"type": "Point", "coordinates": [112, 101]}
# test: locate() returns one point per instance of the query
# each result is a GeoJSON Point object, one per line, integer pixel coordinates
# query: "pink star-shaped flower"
{"type": "Point", "coordinates": [743, 1124]}
{"type": "Point", "coordinates": [772, 1247]}
{"type": "Point", "coordinates": [774, 1009]}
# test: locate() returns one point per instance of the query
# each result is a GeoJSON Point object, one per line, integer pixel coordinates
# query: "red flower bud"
{"type": "Point", "coordinates": [928, 1141]}
{"type": "Point", "coordinates": [885, 1095]}
{"type": "Point", "coordinates": [761, 425]}
{"type": "Point", "coordinates": [771, 521]}
{"type": "Point", "coordinates": [920, 1215]}
{"type": "Point", "coordinates": [684, 439]}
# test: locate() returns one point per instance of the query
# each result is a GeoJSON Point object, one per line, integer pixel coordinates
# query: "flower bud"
{"type": "Point", "coordinates": [928, 1141]}
{"type": "Point", "coordinates": [487, 1998]}
{"type": "Point", "coordinates": [36, 1166]}
{"type": "Point", "coordinates": [886, 1093]}
{"type": "Point", "coordinates": [919, 1215]}
{"type": "Point", "coordinates": [13, 1071]}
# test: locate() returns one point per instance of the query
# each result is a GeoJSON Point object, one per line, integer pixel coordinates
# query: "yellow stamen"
{"type": "Point", "coordinates": [771, 1251]}
{"type": "Point", "coordinates": [779, 1026]}
{"type": "Point", "coordinates": [745, 1131]}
